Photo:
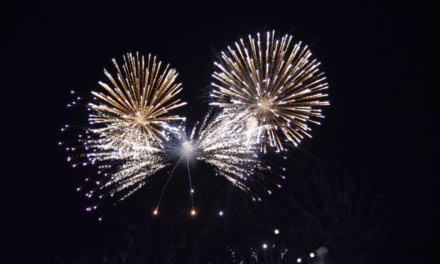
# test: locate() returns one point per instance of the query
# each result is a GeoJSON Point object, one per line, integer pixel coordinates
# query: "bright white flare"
{"type": "Point", "coordinates": [186, 149]}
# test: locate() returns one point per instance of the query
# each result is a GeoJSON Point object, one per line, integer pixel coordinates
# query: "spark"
{"type": "Point", "coordinates": [278, 83]}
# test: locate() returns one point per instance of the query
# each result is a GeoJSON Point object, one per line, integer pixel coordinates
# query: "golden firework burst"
{"type": "Point", "coordinates": [278, 83]}
{"type": "Point", "coordinates": [134, 112]}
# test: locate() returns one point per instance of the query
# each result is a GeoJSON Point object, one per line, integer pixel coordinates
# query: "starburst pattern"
{"type": "Point", "coordinates": [276, 82]}
{"type": "Point", "coordinates": [136, 110]}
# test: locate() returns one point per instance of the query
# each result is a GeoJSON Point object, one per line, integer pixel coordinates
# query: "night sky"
{"type": "Point", "coordinates": [377, 61]}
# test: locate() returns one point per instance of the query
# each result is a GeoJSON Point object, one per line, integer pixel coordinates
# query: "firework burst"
{"type": "Point", "coordinates": [276, 82]}
{"type": "Point", "coordinates": [135, 111]}
{"type": "Point", "coordinates": [221, 142]}
{"type": "Point", "coordinates": [128, 125]}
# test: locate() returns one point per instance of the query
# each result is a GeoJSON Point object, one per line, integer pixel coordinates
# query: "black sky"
{"type": "Point", "coordinates": [376, 57]}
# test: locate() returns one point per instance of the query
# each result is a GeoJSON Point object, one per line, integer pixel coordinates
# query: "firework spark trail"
{"type": "Point", "coordinates": [163, 190]}
{"type": "Point", "coordinates": [276, 82]}
{"type": "Point", "coordinates": [121, 172]}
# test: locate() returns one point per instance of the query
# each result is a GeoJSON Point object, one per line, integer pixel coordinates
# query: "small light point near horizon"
{"type": "Point", "coordinates": [193, 212]}
{"type": "Point", "coordinates": [276, 231]}
{"type": "Point", "coordinates": [312, 255]}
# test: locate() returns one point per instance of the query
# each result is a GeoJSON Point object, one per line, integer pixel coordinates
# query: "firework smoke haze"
{"type": "Point", "coordinates": [278, 83]}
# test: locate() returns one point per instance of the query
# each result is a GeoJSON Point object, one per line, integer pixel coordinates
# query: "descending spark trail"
{"type": "Point", "coordinates": [277, 83]}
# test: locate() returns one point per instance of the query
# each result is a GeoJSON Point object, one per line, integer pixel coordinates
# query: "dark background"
{"type": "Point", "coordinates": [376, 56]}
